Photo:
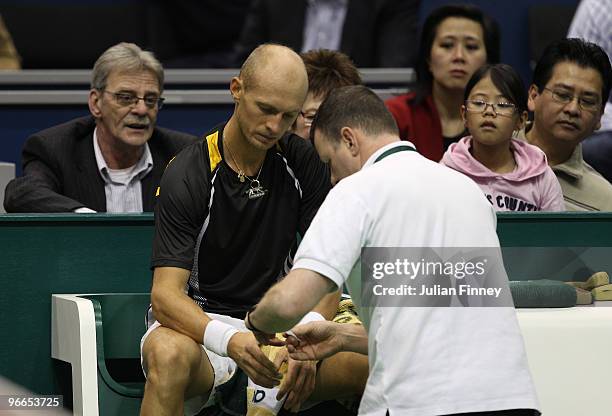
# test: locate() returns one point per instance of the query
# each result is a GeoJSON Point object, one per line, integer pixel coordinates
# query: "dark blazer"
{"type": "Point", "coordinates": [376, 33]}
{"type": "Point", "coordinates": [60, 173]}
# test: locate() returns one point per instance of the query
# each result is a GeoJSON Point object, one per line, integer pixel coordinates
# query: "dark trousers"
{"type": "Point", "coordinates": [511, 412]}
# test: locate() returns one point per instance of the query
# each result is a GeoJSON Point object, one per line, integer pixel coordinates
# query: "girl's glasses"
{"type": "Point", "coordinates": [479, 106]}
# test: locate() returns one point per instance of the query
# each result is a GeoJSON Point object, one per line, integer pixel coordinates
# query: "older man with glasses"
{"type": "Point", "coordinates": [571, 84]}
{"type": "Point", "coordinates": [110, 161]}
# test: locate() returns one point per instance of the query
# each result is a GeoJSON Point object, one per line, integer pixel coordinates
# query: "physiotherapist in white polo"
{"type": "Point", "coordinates": [424, 361]}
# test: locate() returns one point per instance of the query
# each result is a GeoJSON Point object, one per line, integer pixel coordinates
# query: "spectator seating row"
{"type": "Point", "coordinates": [196, 100]}
{"type": "Point", "coordinates": [147, 23]}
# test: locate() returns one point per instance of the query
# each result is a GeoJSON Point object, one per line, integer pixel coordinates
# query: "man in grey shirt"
{"type": "Point", "coordinates": [571, 84]}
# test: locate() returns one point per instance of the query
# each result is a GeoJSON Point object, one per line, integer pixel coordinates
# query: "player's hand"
{"type": "Point", "coordinates": [244, 349]}
{"type": "Point", "coordinates": [268, 339]}
{"type": "Point", "coordinates": [299, 382]}
{"type": "Point", "coordinates": [314, 340]}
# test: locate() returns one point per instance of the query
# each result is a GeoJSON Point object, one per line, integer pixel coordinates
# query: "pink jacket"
{"type": "Point", "coordinates": [532, 186]}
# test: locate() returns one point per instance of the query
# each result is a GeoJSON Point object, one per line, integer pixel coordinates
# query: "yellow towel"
{"type": "Point", "coordinates": [602, 292]}
{"type": "Point", "coordinates": [596, 280]}
{"type": "Point", "coordinates": [346, 313]}
{"type": "Point", "coordinates": [583, 297]}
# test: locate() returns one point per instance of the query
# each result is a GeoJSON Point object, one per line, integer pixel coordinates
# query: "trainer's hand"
{"type": "Point", "coordinates": [244, 349]}
{"type": "Point", "coordinates": [262, 337]}
{"type": "Point", "coordinates": [314, 340]}
{"type": "Point", "coordinates": [299, 382]}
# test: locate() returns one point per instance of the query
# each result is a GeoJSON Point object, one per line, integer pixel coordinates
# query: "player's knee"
{"type": "Point", "coordinates": [356, 366]}
{"type": "Point", "coordinates": [356, 371]}
{"type": "Point", "coordinates": [170, 359]}
{"type": "Point", "coordinates": [361, 373]}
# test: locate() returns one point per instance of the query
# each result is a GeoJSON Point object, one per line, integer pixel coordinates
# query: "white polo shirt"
{"type": "Point", "coordinates": [423, 361]}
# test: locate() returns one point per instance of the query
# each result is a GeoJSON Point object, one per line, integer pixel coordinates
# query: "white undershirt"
{"type": "Point", "coordinates": [122, 187]}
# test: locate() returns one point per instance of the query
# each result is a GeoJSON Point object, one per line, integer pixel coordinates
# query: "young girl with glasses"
{"type": "Point", "coordinates": [513, 174]}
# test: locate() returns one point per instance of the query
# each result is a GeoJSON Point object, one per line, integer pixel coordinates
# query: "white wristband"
{"type": "Point", "coordinates": [311, 317]}
{"type": "Point", "coordinates": [217, 336]}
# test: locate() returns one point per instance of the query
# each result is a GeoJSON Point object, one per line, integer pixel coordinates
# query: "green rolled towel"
{"type": "Point", "coordinates": [583, 297]}
{"type": "Point", "coordinates": [602, 292]}
{"type": "Point", "coordinates": [542, 294]}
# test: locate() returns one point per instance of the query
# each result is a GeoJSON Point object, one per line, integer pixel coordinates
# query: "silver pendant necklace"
{"type": "Point", "coordinates": [256, 190]}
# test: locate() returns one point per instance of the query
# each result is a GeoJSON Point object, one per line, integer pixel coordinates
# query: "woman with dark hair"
{"type": "Point", "coordinates": [455, 41]}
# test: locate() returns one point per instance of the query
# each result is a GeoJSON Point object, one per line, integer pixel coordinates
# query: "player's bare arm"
{"type": "Point", "coordinates": [175, 310]}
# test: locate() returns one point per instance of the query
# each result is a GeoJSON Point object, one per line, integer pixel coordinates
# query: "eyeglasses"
{"type": "Point", "coordinates": [308, 118]}
{"type": "Point", "coordinates": [126, 99]}
{"type": "Point", "coordinates": [479, 106]}
{"type": "Point", "coordinates": [563, 97]}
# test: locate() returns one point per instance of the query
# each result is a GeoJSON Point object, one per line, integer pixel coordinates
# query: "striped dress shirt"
{"type": "Point", "coordinates": [122, 186]}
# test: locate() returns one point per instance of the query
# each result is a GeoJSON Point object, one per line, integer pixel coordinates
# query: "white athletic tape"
{"type": "Point", "coordinates": [311, 317]}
